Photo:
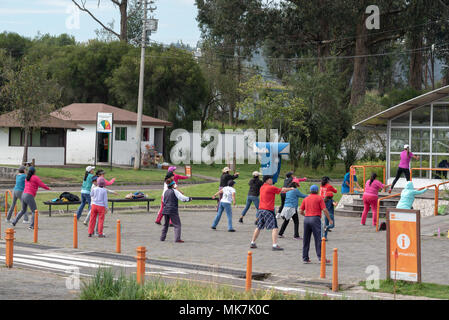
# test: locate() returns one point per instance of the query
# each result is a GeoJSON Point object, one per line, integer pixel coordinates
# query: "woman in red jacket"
{"type": "Point", "coordinates": [326, 187]}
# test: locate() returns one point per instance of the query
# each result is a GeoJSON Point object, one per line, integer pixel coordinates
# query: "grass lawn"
{"type": "Point", "coordinates": [431, 290]}
{"type": "Point", "coordinates": [105, 285]}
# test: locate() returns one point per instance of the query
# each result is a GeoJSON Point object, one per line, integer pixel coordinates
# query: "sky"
{"type": "Point", "coordinates": [177, 19]}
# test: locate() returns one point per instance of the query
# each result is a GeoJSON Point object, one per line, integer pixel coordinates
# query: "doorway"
{"type": "Point", "coordinates": [103, 147]}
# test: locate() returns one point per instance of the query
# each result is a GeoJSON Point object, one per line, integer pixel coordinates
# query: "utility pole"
{"type": "Point", "coordinates": [150, 25]}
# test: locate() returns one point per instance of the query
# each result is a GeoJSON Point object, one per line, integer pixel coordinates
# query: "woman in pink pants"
{"type": "Point", "coordinates": [370, 197]}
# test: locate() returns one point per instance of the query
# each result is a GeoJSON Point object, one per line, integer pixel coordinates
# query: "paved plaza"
{"type": "Point", "coordinates": [358, 246]}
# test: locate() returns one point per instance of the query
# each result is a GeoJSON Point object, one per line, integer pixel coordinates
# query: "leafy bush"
{"type": "Point", "coordinates": [316, 156]}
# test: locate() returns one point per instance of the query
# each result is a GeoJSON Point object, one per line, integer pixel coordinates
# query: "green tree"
{"type": "Point", "coordinates": [31, 95]}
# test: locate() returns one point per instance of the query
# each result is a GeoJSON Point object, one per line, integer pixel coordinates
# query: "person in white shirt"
{"type": "Point", "coordinates": [228, 198]}
{"type": "Point", "coordinates": [170, 210]}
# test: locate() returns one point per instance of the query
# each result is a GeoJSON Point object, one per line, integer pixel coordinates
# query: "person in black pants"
{"type": "Point", "coordinates": [404, 165]}
{"type": "Point", "coordinates": [287, 181]}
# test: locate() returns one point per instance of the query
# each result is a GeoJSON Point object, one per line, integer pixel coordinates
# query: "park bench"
{"type": "Point", "coordinates": [59, 203]}
{"type": "Point", "coordinates": [147, 200]}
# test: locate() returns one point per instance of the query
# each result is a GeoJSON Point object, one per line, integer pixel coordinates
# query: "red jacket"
{"type": "Point", "coordinates": [325, 189]}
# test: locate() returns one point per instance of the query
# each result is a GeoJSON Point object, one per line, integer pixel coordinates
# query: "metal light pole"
{"type": "Point", "coordinates": [150, 25]}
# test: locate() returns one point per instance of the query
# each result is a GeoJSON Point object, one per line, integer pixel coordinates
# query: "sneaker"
{"type": "Point", "coordinates": [101, 236]}
{"type": "Point", "coordinates": [213, 228]}
{"type": "Point", "coordinates": [306, 261]}
{"type": "Point", "coordinates": [329, 230]}
{"type": "Point", "coordinates": [241, 220]}
{"type": "Point", "coordinates": [25, 221]}
{"type": "Point", "coordinates": [90, 235]}
{"type": "Point", "coordinates": [231, 230]}
{"type": "Point", "coordinates": [179, 241]}
{"type": "Point", "coordinates": [13, 223]}
{"type": "Point", "coordinates": [253, 246]}
{"type": "Point", "coordinates": [157, 222]}
{"type": "Point", "coordinates": [280, 236]}
{"type": "Point", "coordinates": [31, 228]}
{"type": "Point", "coordinates": [85, 223]}
{"type": "Point", "coordinates": [297, 238]}
{"type": "Point", "coordinates": [277, 248]}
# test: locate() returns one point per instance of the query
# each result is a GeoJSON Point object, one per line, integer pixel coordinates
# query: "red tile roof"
{"type": "Point", "coordinates": [87, 113]}
{"type": "Point", "coordinates": [9, 120]}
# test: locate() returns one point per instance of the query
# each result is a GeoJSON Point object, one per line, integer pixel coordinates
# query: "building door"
{"type": "Point", "coordinates": [103, 147]}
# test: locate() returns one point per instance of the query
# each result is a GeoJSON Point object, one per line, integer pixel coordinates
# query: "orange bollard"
{"type": "Point", "coordinates": [36, 214]}
{"type": "Point", "coordinates": [9, 247]}
{"type": "Point", "coordinates": [75, 232]}
{"type": "Point", "coordinates": [335, 271]}
{"type": "Point", "coordinates": [141, 257]}
{"type": "Point", "coordinates": [249, 271]}
{"type": "Point", "coordinates": [323, 258]}
{"type": "Point", "coordinates": [118, 246]}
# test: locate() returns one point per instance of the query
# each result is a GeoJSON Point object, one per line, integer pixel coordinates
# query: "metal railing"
{"type": "Point", "coordinates": [351, 176]}
{"type": "Point", "coordinates": [425, 169]}
{"type": "Point", "coordinates": [437, 196]}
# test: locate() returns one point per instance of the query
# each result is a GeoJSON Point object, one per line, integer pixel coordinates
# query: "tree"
{"type": "Point", "coordinates": [124, 16]}
{"type": "Point", "coordinates": [31, 95]}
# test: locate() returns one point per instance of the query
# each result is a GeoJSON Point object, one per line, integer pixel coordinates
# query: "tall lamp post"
{"type": "Point", "coordinates": [148, 25]}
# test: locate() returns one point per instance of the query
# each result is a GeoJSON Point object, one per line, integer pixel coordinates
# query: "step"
{"type": "Point", "coordinates": [385, 203]}
{"type": "Point", "coordinates": [354, 214]}
{"type": "Point", "coordinates": [359, 208]}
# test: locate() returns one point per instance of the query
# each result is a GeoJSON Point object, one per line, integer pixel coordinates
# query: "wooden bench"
{"type": "Point", "coordinates": [59, 203]}
{"type": "Point", "coordinates": [147, 200]}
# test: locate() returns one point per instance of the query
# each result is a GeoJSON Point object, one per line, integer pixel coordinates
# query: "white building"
{"type": "Point", "coordinates": [69, 137]}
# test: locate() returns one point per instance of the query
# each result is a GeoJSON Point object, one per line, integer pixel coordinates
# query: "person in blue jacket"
{"type": "Point", "coordinates": [408, 196]}
{"type": "Point", "coordinates": [345, 186]}
{"type": "Point", "coordinates": [17, 193]}
{"type": "Point", "coordinates": [290, 208]}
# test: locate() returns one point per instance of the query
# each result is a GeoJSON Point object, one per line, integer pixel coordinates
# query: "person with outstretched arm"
{"type": "Point", "coordinates": [404, 165]}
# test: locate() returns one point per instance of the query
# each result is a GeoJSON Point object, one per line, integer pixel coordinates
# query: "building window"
{"type": "Point", "coordinates": [146, 134]}
{"type": "Point", "coordinates": [441, 116]}
{"type": "Point", "coordinates": [421, 117]}
{"type": "Point", "coordinates": [120, 133]}
{"type": "Point", "coordinates": [403, 120]}
{"type": "Point", "coordinates": [52, 137]}
{"type": "Point", "coordinates": [48, 137]}
{"type": "Point", "coordinates": [399, 137]}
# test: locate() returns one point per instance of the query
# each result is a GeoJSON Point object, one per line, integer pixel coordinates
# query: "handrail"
{"type": "Point", "coordinates": [351, 176]}
{"type": "Point", "coordinates": [437, 196]}
{"type": "Point", "coordinates": [429, 169]}
{"type": "Point", "coordinates": [395, 195]}
{"type": "Point", "coordinates": [6, 203]}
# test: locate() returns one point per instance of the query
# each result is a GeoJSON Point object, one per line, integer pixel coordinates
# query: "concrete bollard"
{"type": "Point", "coordinates": [118, 248]}
{"type": "Point", "coordinates": [323, 259]}
{"type": "Point", "coordinates": [75, 232]}
{"type": "Point", "coordinates": [36, 225]}
{"type": "Point", "coordinates": [335, 271]}
{"type": "Point", "coordinates": [9, 247]}
{"type": "Point", "coordinates": [141, 257]}
{"type": "Point", "coordinates": [249, 271]}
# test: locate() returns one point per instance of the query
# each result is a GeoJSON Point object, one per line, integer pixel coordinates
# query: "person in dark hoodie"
{"type": "Point", "coordinates": [224, 179]}
{"type": "Point", "coordinates": [253, 194]}
{"type": "Point", "coordinates": [170, 210]}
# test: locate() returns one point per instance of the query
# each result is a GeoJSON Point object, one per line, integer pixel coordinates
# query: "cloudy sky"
{"type": "Point", "coordinates": [28, 17]}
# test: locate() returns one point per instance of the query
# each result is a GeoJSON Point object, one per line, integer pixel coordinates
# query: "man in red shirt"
{"type": "Point", "coordinates": [266, 217]}
{"type": "Point", "coordinates": [311, 208]}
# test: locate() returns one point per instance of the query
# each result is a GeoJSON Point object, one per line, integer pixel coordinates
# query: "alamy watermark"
{"type": "Point", "coordinates": [72, 282]}
{"type": "Point", "coordinates": [73, 20]}
{"type": "Point", "coordinates": [372, 281]}
{"type": "Point", "coordinates": [373, 20]}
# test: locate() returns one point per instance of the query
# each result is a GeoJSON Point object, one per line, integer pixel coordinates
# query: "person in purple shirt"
{"type": "Point", "coordinates": [404, 165]}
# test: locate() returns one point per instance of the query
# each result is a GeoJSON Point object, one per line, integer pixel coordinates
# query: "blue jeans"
{"type": "Point", "coordinates": [249, 200]}
{"type": "Point", "coordinates": [224, 206]}
{"type": "Point", "coordinates": [326, 226]}
{"type": "Point", "coordinates": [85, 198]}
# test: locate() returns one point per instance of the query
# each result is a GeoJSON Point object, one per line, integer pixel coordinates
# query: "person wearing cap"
{"type": "Point", "coordinates": [99, 198]}
{"type": "Point", "coordinates": [17, 193]}
{"type": "Point", "coordinates": [170, 211]}
{"type": "Point", "coordinates": [266, 218]}
{"type": "Point", "coordinates": [330, 203]}
{"type": "Point", "coordinates": [404, 165]}
{"type": "Point", "coordinates": [290, 210]}
{"type": "Point", "coordinates": [311, 208]}
{"type": "Point", "coordinates": [95, 185]}
{"type": "Point", "coordinates": [253, 194]}
{"type": "Point", "coordinates": [169, 175]}
{"type": "Point", "coordinates": [228, 198]}
{"type": "Point", "coordinates": [326, 187]}
{"type": "Point", "coordinates": [32, 184]}
{"type": "Point", "coordinates": [85, 190]}
{"type": "Point", "coordinates": [176, 177]}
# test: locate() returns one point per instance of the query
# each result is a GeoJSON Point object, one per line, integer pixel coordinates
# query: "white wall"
{"type": "Point", "coordinates": [81, 145]}
{"type": "Point", "coordinates": [42, 155]}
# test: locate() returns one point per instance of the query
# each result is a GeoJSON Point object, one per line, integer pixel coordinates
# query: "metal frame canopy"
{"type": "Point", "coordinates": [381, 119]}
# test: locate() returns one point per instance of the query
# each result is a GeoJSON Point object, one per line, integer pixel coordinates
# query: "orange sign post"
{"type": "Point", "coordinates": [188, 171]}
{"type": "Point", "coordinates": [403, 238]}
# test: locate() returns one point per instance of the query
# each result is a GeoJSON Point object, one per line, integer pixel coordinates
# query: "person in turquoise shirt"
{"type": "Point", "coordinates": [345, 186]}
{"type": "Point", "coordinates": [85, 190]}
{"type": "Point", "coordinates": [408, 196]}
{"type": "Point", "coordinates": [17, 193]}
